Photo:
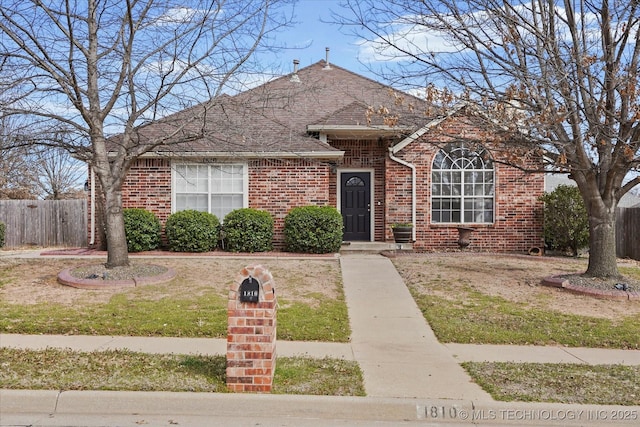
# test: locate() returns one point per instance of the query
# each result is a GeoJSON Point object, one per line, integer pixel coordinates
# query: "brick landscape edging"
{"type": "Point", "coordinates": [559, 282]}
{"type": "Point", "coordinates": [66, 278]}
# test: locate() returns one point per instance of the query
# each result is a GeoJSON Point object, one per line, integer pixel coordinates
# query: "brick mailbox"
{"type": "Point", "coordinates": [251, 331]}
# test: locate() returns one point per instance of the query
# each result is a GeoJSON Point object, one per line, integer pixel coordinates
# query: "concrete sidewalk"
{"type": "Point", "coordinates": [211, 346]}
{"type": "Point", "coordinates": [163, 345]}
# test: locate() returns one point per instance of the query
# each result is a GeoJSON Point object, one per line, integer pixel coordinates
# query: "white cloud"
{"type": "Point", "coordinates": [177, 16]}
{"type": "Point", "coordinates": [407, 34]}
{"type": "Point", "coordinates": [407, 39]}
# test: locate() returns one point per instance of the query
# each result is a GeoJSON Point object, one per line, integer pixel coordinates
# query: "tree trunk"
{"type": "Point", "coordinates": [602, 244]}
{"type": "Point", "coordinates": [117, 253]}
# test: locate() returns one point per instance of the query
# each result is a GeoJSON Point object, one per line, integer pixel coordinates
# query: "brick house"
{"type": "Point", "coordinates": [326, 136]}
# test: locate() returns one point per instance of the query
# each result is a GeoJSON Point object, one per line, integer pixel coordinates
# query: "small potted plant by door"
{"type": "Point", "coordinates": [402, 232]}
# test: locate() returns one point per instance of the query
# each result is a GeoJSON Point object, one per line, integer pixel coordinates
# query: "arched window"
{"type": "Point", "coordinates": [462, 185]}
{"type": "Point", "coordinates": [354, 181]}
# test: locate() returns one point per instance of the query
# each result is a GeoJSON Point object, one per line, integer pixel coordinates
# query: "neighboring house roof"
{"type": "Point", "coordinates": [552, 181]}
{"type": "Point", "coordinates": [278, 118]}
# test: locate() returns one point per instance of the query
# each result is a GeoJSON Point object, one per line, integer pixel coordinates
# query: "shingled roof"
{"type": "Point", "coordinates": [277, 118]}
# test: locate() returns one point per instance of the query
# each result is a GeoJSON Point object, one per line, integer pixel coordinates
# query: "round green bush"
{"type": "Point", "coordinates": [142, 229]}
{"type": "Point", "coordinates": [192, 231]}
{"type": "Point", "coordinates": [313, 229]}
{"type": "Point", "coordinates": [2, 230]}
{"type": "Point", "coordinates": [566, 223]}
{"type": "Point", "coordinates": [248, 230]}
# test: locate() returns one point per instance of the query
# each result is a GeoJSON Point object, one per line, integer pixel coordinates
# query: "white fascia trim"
{"type": "Point", "coordinates": [356, 128]}
{"type": "Point", "coordinates": [247, 155]}
{"type": "Point", "coordinates": [417, 134]}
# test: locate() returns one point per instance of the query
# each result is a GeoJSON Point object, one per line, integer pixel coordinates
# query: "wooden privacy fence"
{"type": "Point", "coordinates": [628, 233]}
{"type": "Point", "coordinates": [45, 223]}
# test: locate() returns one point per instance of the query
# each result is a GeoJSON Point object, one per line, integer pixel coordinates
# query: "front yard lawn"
{"type": "Point", "coordinates": [54, 369]}
{"type": "Point", "coordinates": [556, 382]}
{"type": "Point", "coordinates": [488, 299]}
{"type": "Point", "coordinates": [311, 304]}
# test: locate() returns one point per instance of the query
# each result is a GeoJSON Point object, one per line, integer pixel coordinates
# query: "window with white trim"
{"type": "Point", "coordinates": [214, 188]}
{"type": "Point", "coordinates": [462, 185]}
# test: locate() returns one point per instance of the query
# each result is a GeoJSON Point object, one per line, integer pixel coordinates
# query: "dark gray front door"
{"type": "Point", "coordinates": [355, 205]}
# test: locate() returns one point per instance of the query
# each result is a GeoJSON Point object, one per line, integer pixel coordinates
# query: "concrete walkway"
{"type": "Point", "coordinates": [397, 351]}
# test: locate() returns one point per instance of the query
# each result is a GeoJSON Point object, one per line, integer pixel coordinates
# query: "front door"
{"type": "Point", "coordinates": [355, 205]}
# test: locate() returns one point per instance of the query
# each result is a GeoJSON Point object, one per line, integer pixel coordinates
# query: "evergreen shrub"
{"type": "Point", "coordinates": [248, 230]}
{"type": "Point", "coordinates": [142, 229]}
{"type": "Point", "coordinates": [313, 229]}
{"type": "Point", "coordinates": [566, 224]}
{"type": "Point", "coordinates": [192, 231]}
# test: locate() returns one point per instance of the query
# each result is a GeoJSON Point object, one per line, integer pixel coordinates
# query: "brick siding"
{"type": "Point", "coordinates": [277, 185]}
{"type": "Point", "coordinates": [148, 186]}
{"type": "Point", "coordinates": [518, 214]}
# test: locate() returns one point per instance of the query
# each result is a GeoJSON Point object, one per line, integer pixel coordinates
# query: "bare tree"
{"type": "Point", "coordinates": [59, 176]}
{"type": "Point", "coordinates": [101, 67]}
{"type": "Point", "coordinates": [17, 177]}
{"type": "Point", "coordinates": [556, 77]}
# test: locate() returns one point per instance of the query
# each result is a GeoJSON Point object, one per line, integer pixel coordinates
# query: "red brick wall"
{"type": "Point", "coordinates": [365, 154]}
{"type": "Point", "coordinates": [148, 186]}
{"type": "Point", "coordinates": [277, 186]}
{"type": "Point", "coordinates": [518, 218]}
{"type": "Point", "coordinates": [399, 202]}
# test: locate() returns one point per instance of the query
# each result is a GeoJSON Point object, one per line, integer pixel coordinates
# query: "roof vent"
{"type": "Point", "coordinates": [294, 77]}
{"type": "Point", "coordinates": [326, 61]}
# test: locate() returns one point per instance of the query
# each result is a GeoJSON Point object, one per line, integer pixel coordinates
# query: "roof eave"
{"type": "Point", "coordinates": [424, 129]}
{"type": "Point", "coordinates": [359, 130]}
{"type": "Point", "coordinates": [223, 155]}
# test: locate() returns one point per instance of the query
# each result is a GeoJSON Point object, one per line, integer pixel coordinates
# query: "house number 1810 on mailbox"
{"type": "Point", "coordinates": [249, 290]}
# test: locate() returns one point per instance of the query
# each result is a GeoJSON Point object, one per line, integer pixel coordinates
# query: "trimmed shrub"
{"type": "Point", "coordinates": [248, 230]}
{"type": "Point", "coordinates": [566, 224]}
{"type": "Point", "coordinates": [192, 231]}
{"type": "Point", "coordinates": [313, 229]}
{"type": "Point", "coordinates": [142, 229]}
{"type": "Point", "coordinates": [3, 227]}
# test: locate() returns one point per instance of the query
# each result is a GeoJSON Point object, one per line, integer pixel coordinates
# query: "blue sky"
{"type": "Point", "coordinates": [310, 30]}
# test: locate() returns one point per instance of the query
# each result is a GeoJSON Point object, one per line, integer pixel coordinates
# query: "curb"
{"type": "Point", "coordinates": [303, 407]}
